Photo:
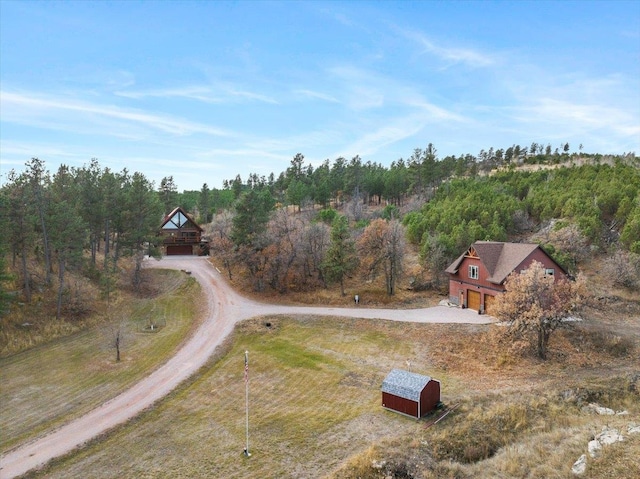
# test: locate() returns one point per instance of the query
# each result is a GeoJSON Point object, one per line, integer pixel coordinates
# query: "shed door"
{"type": "Point", "coordinates": [488, 303]}
{"type": "Point", "coordinates": [180, 249]}
{"type": "Point", "coordinates": [473, 300]}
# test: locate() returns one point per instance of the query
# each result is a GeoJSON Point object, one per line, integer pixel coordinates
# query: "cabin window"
{"type": "Point", "coordinates": [549, 271]}
{"type": "Point", "coordinates": [473, 272]}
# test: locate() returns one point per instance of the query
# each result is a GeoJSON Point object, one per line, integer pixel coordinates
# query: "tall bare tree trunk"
{"type": "Point", "coordinates": [25, 274]}
{"type": "Point", "coordinates": [106, 243]}
{"type": "Point", "coordinates": [61, 265]}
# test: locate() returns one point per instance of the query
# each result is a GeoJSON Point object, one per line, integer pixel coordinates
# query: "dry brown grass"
{"type": "Point", "coordinates": [53, 382]}
{"type": "Point", "coordinates": [510, 435]}
{"type": "Point", "coordinates": [315, 410]}
{"type": "Point", "coordinates": [372, 293]}
{"type": "Point", "coordinates": [28, 325]}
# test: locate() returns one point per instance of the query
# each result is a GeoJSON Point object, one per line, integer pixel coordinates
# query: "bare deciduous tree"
{"type": "Point", "coordinates": [623, 268]}
{"type": "Point", "coordinates": [382, 247]}
{"type": "Point", "coordinates": [571, 243]}
{"type": "Point", "coordinates": [284, 235]}
{"type": "Point", "coordinates": [118, 335]}
{"type": "Point", "coordinates": [221, 245]}
{"type": "Point", "coordinates": [315, 243]}
{"type": "Point", "coordinates": [434, 259]}
{"type": "Point", "coordinates": [536, 304]}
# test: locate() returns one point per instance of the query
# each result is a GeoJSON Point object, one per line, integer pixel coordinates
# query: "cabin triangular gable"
{"type": "Point", "coordinates": [471, 253]}
{"type": "Point", "coordinates": [178, 219]}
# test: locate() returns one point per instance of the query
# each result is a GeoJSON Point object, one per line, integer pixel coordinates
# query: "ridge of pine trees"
{"type": "Point", "coordinates": [62, 220]}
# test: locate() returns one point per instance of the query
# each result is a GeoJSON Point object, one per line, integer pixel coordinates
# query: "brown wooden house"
{"type": "Point", "coordinates": [478, 275]}
{"type": "Point", "coordinates": [409, 393]}
{"type": "Point", "coordinates": [181, 235]}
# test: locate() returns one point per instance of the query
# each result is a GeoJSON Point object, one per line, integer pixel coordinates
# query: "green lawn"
{"type": "Point", "coordinates": [48, 385]}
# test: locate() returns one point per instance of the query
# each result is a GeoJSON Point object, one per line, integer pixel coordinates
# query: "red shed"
{"type": "Point", "coordinates": [410, 393]}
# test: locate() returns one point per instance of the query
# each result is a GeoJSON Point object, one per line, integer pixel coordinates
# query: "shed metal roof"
{"type": "Point", "coordinates": [405, 384]}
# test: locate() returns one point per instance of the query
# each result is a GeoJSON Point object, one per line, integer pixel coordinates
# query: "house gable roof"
{"type": "Point", "coordinates": [500, 259]}
{"type": "Point", "coordinates": [178, 219]}
{"type": "Point", "coordinates": [405, 384]}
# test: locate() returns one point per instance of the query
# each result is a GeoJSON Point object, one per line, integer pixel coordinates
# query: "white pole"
{"type": "Point", "coordinates": [246, 389]}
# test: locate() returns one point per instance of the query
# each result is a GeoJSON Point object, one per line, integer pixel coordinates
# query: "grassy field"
{"type": "Point", "coordinates": [536, 435]}
{"type": "Point", "coordinates": [315, 408]}
{"type": "Point", "coordinates": [52, 383]}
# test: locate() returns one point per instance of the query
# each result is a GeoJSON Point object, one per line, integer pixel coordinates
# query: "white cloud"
{"type": "Point", "coordinates": [316, 95]}
{"type": "Point", "coordinates": [32, 109]}
{"type": "Point", "coordinates": [252, 96]}
{"type": "Point", "coordinates": [580, 106]}
{"type": "Point", "coordinates": [435, 112]}
{"type": "Point", "coordinates": [451, 55]}
{"type": "Point", "coordinates": [199, 93]}
{"type": "Point", "coordinates": [576, 116]}
{"type": "Point", "coordinates": [392, 131]}
{"type": "Point", "coordinates": [221, 93]}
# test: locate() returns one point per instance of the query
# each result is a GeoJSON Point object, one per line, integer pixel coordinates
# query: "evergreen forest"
{"type": "Point", "coordinates": [312, 227]}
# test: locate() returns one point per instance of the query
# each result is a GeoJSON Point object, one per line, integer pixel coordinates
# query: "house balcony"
{"type": "Point", "coordinates": [181, 239]}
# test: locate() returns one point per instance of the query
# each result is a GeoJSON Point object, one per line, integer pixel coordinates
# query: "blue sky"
{"type": "Point", "coordinates": [203, 91]}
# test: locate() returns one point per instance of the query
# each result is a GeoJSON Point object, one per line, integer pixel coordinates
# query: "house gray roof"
{"type": "Point", "coordinates": [405, 384]}
{"type": "Point", "coordinates": [500, 259]}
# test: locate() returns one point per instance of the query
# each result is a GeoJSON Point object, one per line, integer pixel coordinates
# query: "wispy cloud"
{"type": "Point", "coordinates": [436, 113]}
{"type": "Point", "coordinates": [223, 154]}
{"type": "Point", "coordinates": [361, 89]}
{"type": "Point", "coordinates": [576, 104]}
{"type": "Point", "coordinates": [389, 133]}
{"type": "Point", "coordinates": [30, 109]}
{"type": "Point", "coordinates": [199, 93]}
{"type": "Point", "coordinates": [223, 93]}
{"type": "Point", "coordinates": [576, 116]}
{"type": "Point", "coordinates": [316, 95]}
{"type": "Point", "coordinates": [252, 96]}
{"type": "Point", "coordinates": [450, 55]}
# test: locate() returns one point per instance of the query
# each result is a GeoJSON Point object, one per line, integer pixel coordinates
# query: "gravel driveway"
{"type": "Point", "coordinates": [225, 308]}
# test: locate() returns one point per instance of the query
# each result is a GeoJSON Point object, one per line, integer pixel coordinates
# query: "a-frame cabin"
{"type": "Point", "coordinates": [181, 235]}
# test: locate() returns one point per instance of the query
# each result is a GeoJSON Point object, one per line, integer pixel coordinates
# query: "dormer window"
{"type": "Point", "coordinates": [473, 272]}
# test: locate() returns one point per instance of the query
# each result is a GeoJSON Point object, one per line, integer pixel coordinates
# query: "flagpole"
{"type": "Point", "coordinates": [246, 392]}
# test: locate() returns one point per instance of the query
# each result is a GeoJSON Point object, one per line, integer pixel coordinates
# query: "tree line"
{"type": "Point", "coordinates": [54, 219]}
{"type": "Point", "coordinates": [335, 182]}
{"type": "Point", "coordinates": [273, 229]}
{"type": "Point", "coordinates": [592, 206]}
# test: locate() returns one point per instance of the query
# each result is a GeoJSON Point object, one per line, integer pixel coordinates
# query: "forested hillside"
{"type": "Point", "coordinates": [69, 237]}
{"type": "Point", "coordinates": [598, 203]}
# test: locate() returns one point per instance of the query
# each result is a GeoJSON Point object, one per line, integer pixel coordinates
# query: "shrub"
{"type": "Point", "coordinates": [327, 215]}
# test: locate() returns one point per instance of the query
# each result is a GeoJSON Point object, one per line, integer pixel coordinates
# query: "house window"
{"type": "Point", "coordinates": [473, 272]}
{"type": "Point", "coordinates": [549, 271]}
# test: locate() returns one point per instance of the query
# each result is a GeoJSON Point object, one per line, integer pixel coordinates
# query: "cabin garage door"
{"type": "Point", "coordinates": [473, 300]}
{"type": "Point", "coordinates": [488, 303]}
{"type": "Point", "coordinates": [180, 249]}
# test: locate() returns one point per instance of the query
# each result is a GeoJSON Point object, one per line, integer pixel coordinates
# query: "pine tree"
{"type": "Point", "coordinates": [341, 257]}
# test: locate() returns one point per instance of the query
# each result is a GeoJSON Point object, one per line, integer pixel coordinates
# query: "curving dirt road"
{"type": "Point", "coordinates": [224, 309]}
